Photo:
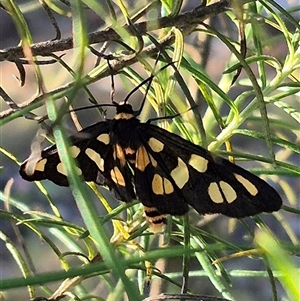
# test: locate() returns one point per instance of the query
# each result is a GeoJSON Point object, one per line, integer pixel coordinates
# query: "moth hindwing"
{"type": "Point", "coordinates": [162, 170]}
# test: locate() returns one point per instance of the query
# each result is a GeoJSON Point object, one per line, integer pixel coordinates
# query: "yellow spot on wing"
{"type": "Point", "coordinates": [118, 153]}
{"type": "Point", "coordinates": [153, 161]}
{"type": "Point", "coordinates": [161, 185]}
{"type": "Point", "coordinates": [117, 176]}
{"type": "Point", "coordinates": [214, 193]}
{"type": "Point", "coordinates": [61, 169]}
{"type": "Point", "coordinates": [180, 174]}
{"type": "Point", "coordinates": [157, 184]}
{"type": "Point", "coordinates": [228, 191]}
{"type": "Point", "coordinates": [217, 192]}
{"type": "Point", "coordinates": [94, 156]}
{"type": "Point", "coordinates": [168, 187]}
{"type": "Point", "coordinates": [198, 162]}
{"type": "Point", "coordinates": [143, 158]}
{"type": "Point", "coordinates": [247, 184]}
{"type": "Point", "coordinates": [104, 138]}
{"type": "Point", "coordinates": [74, 150]}
{"type": "Point", "coordinates": [78, 171]}
{"type": "Point", "coordinates": [155, 145]}
{"type": "Point", "coordinates": [40, 166]}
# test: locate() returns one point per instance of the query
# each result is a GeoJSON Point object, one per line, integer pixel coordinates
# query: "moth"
{"type": "Point", "coordinates": [165, 172]}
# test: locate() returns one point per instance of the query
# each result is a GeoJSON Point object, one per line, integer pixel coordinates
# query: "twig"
{"type": "Point", "coordinates": [186, 19]}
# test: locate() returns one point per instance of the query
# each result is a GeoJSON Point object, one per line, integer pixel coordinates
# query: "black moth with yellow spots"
{"type": "Point", "coordinates": [162, 170]}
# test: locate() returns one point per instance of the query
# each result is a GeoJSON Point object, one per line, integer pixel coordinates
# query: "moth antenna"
{"type": "Point", "coordinates": [93, 107]}
{"type": "Point", "coordinates": [149, 80]}
{"type": "Point", "coordinates": [172, 116]}
{"type": "Point", "coordinates": [113, 91]}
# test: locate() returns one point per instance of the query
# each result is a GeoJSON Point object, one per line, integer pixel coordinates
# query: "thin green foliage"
{"type": "Point", "coordinates": [110, 254]}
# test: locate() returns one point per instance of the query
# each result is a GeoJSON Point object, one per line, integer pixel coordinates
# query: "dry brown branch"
{"type": "Point", "coordinates": [193, 17]}
{"type": "Point", "coordinates": [184, 21]}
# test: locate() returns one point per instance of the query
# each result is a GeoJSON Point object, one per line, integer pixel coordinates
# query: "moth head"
{"type": "Point", "coordinates": [124, 107]}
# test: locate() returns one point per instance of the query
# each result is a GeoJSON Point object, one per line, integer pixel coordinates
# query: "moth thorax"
{"type": "Point", "coordinates": [124, 133]}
